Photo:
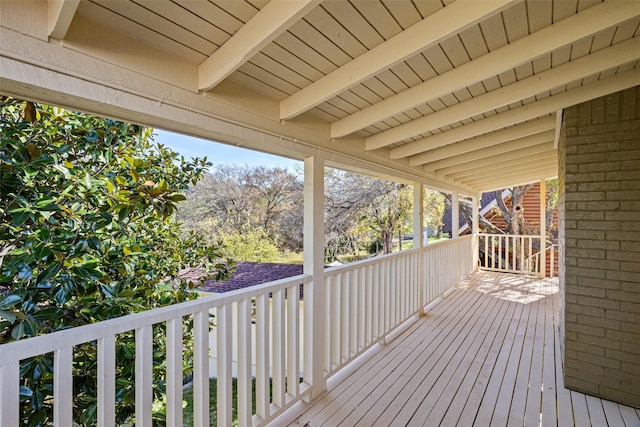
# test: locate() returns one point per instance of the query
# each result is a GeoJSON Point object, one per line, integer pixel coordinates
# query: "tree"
{"type": "Point", "coordinates": [232, 199]}
{"type": "Point", "coordinates": [87, 234]}
{"type": "Point", "coordinates": [514, 214]}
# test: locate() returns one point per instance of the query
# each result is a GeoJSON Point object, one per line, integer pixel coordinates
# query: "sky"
{"type": "Point", "coordinates": [220, 153]}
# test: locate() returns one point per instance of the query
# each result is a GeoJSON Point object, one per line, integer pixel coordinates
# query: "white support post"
{"type": "Point", "coordinates": [475, 230]}
{"type": "Point", "coordinates": [455, 230]}
{"type": "Point", "coordinates": [419, 236]}
{"type": "Point", "coordinates": [314, 265]}
{"type": "Point", "coordinates": [543, 228]}
{"type": "Point", "coordinates": [455, 216]}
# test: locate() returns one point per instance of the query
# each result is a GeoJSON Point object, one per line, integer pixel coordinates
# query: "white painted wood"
{"type": "Point", "coordinates": [455, 216]}
{"type": "Point", "coordinates": [63, 387]}
{"type": "Point", "coordinates": [9, 394]}
{"type": "Point", "coordinates": [581, 68]}
{"type": "Point", "coordinates": [278, 349]}
{"type": "Point", "coordinates": [537, 156]}
{"type": "Point", "coordinates": [144, 375]}
{"type": "Point", "coordinates": [501, 136]}
{"type": "Point", "coordinates": [293, 341]}
{"type": "Point", "coordinates": [539, 43]}
{"type": "Point", "coordinates": [174, 373]}
{"type": "Point", "coordinates": [264, 27]}
{"type": "Point", "coordinates": [263, 394]}
{"type": "Point", "coordinates": [423, 35]}
{"type": "Point", "coordinates": [529, 111]}
{"type": "Point", "coordinates": [543, 228]}
{"type": "Point", "coordinates": [61, 13]}
{"type": "Point", "coordinates": [244, 363]}
{"type": "Point", "coordinates": [224, 359]}
{"type": "Point", "coordinates": [314, 266]}
{"type": "Point", "coordinates": [508, 156]}
{"type": "Point", "coordinates": [201, 369]}
{"type": "Point", "coordinates": [106, 416]}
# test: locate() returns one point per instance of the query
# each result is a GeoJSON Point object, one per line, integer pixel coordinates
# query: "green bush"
{"type": "Point", "coordinates": [87, 234]}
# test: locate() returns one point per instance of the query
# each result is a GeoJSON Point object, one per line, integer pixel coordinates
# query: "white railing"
{"type": "Point", "coordinates": [507, 252]}
{"type": "Point", "coordinates": [275, 351]}
{"type": "Point", "coordinates": [369, 299]}
{"type": "Point", "coordinates": [533, 262]}
{"type": "Point", "coordinates": [261, 326]}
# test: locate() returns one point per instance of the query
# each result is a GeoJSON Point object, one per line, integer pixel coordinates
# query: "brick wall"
{"type": "Point", "coordinates": [599, 157]}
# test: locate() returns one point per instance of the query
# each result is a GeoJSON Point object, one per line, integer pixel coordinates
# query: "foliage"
{"type": "Point", "coordinates": [231, 200]}
{"type": "Point", "coordinates": [249, 244]}
{"type": "Point", "coordinates": [87, 234]}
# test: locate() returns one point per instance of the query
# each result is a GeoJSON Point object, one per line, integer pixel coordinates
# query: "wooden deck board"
{"type": "Point", "coordinates": [486, 355]}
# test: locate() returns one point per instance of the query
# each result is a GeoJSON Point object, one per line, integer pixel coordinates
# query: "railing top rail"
{"type": "Point", "coordinates": [533, 236]}
{"type": "Point", "coordinates": [18, 350]}
{"type": "Point", "coordinates": [386, 257]}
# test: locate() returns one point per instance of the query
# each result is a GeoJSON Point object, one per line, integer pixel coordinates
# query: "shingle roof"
{"type": "Point", "coordinates": [249, 274]}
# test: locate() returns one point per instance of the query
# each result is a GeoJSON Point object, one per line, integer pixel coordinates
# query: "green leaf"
{"type": "Point", "coordinates": [20, 218]}
{"type": "Point", "coordinates": [18, 331]}
{"type": "Point", "coordinates": [7, 315]}
{"type": "Point", "coordinates": [10, 301]}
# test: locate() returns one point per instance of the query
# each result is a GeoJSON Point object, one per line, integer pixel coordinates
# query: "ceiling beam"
{"type": "Point", "coordinates": [548, 39]}
{"type": "Point", "coordinates": [548, 162]}
{"type": "Point", "coordinates": [484, 141]}
{"type": "Point", "coordinates": [433, 29]}
{"type": "Point", "coordinates": [61, 13]}
{"type": "Point", "coordinates": [488, 163]}
{"type": "Point", "coordinates": [491, 154]}
{"type": "Point", "coordinates": [265, 26]}
{"type": "Point", "coordinates": [528, 178]}
{"type": "Point", "coordinates": [545, 81]}
{"type": "Point", "coordinates": [529, 111]}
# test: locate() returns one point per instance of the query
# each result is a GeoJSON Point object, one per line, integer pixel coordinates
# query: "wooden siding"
{"type": "Point", "coordinates": [487, 355]}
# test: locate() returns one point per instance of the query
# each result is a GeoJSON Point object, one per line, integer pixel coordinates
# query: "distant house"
{"type": "Point", "coordinates": [495, 222]}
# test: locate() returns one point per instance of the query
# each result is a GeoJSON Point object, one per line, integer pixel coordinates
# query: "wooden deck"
{"type": "Point", "coordinates": [487, 355]}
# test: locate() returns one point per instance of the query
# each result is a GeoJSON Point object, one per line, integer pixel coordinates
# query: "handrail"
{"type": "Point", "coordinates": [365, 301]}
{"type": "Point", "coordinates": [506, 252]}
{"type": "Point", "coordinates": [533, 261]}
{"type": "Point", "coordinates": [24, 349]}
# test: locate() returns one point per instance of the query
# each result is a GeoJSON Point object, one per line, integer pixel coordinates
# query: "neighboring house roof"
{"type": "Point", "coordinates": [249, 274]}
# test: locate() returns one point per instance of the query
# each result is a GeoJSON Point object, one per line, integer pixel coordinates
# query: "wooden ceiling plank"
{"type": "Point", "coordinates": [473, 42]}
{"type": "Point", "coordinates": [264, 27]}
{"type": "Point", "coordinates": [335, 31]}
{"type": "Point", "coordinates": [197, 17]}
{"type": "Point", "coordinates": [160, 24]}
{"type": "Point", "coordinates": [537, 44]}
{"type": "Point", "coordinates": [61, 13]}
{"type": "Point", "coordinates": [133, 29]}
{"type": "Point", "coordinates": [540, 14]}
{"type": "Point", "coordinates": [242, 11]}
{"type": "Point", "coordinates": [508, 176]}
{"type": "Point", "coordinates": [593, 64]}
{"type": "Point", "coordinates": [493, 150]}
{"type": "Point", "coordinates": [547, 163]}
{"type": "Point", "coordinates": [377, 15]}
{"type": "Point", "coordinates": [405, 13]}
{"type": "Point", "coordinates": [426, 33]}
{"type": "Point", "coordinates": [283, 56]}
{"type": "Point", "coordinates": [297, 47]}
{"type": "Point", "coordinates": [530, 111]}
{"type": "Point", "coordinates": [515, 22]}
{"type": "Point", "coordinates": [501, 136]}
{"type": "Point", "coordinates": [349, 17]}
{"type": "Point", "coordinates": [511, 156]}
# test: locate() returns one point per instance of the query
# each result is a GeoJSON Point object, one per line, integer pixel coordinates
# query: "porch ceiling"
{"type": "Point", "coordinates": [460, 94]}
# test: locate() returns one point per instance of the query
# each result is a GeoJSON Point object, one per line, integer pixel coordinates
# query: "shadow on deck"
{"type": "Point", "coordinates": [488, 354]}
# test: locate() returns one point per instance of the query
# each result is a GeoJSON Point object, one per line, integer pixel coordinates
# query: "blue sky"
{"type": "Point", "coordinates": [220, 153]}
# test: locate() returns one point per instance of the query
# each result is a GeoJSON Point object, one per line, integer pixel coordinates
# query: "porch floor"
{"type": "Point", "coordinates": [488, 354]}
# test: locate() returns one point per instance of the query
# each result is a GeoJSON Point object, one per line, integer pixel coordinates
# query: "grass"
{"type": "Point", "coordinates": [213, 399]}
